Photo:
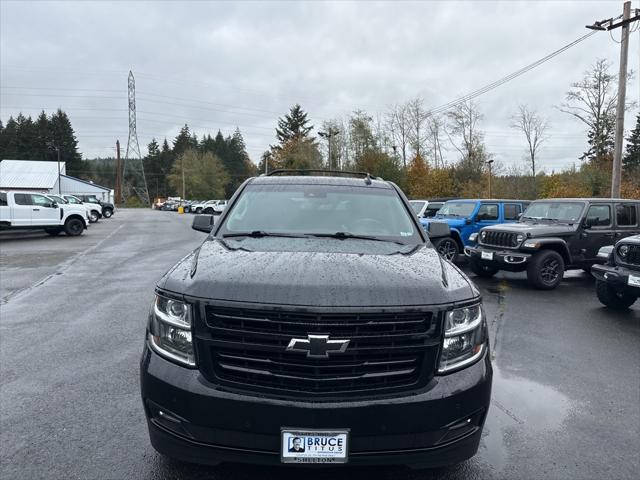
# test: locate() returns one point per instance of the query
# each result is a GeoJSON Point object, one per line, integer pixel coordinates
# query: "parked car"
{"type": "Point", "coordinates": [552, 236]}
{"type": "Point", "coordinates": [79, 208]}
{"type": "Point", "coordinates": [94, 209]}
{"type": "Point", "coordinates": [427, 208]}
{"type": "Point", "coordinates": [219, 206]}
{"type": "Point", "coordinates": [200, 206]}
{"type": "Point", "coordinates": [29, 210]}
{"type": "Point", "coordinates": [466, 217]}
{"type": "Point", "coordinates": [618, 280]}
{"type": "Point", "coordinates": [315, 308]}
{"type": "Point", "coordinates": [108, 208]}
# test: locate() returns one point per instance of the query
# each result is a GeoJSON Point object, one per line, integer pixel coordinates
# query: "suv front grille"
{"type": "Point", "coordinates": [500, 239]}
{"type": "Point", "coordinates": [633, 257]}
{"type": "Point", "coordinates": [246, 349]}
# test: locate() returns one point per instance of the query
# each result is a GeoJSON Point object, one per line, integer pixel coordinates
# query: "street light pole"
{"type": "Point", "coordinates": [59, 185]}
{"type": "Point", "coordinates": [330, 133]}
{"type": "Point", "coordinates": [489, 162]}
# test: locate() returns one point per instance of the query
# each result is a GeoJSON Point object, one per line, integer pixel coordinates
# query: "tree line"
{"type": "Point", "coordinates": [426, 154]}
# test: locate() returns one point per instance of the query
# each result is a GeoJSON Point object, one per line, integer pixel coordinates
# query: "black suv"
{"type": "Point", "coordinates": [107, 207]}
{"type": "Point", "coordinates": [618, 280]}
{"type": "Point", "coordinates": [316, 324]}
{"type": "Point", "coordinates": [552, 236]}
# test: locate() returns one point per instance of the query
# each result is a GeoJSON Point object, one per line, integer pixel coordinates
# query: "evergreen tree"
{"type": "Point", "coordinates": [10, 140]}
{"type": "Point", "coordinates": [26, 138]}
{"type": "Point", "coordinates": [184, 141]}
{"type": "Point", "coordinates": [44, 139]}
{"type": "Point", "coordinates": [64, 139]}
{"type": "Point", "coordinates": [631, 160]}
{"type": "Point", "coordinates": [293, 126]}
{"type": "Point", "coordinates": [236, 162]}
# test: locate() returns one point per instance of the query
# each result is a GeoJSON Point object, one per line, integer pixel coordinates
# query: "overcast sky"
{"type": "Point", "coordinates": [221, 65]}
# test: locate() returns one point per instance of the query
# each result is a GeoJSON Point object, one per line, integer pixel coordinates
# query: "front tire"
{"type": "Point", "coordinates": [94, 216]}
{"type": "Point", "coordinates": [73, 227]}
{"type": "Point", "coordinates": [208, 211]}
{"type": "Point", "coordinates": [612, 297]}
{"type": "Point", "coordinates": [447, 247]}
{"type": "Point", "coordinates": [546, 270]}
{"type": "Point", "coordinates": [107, 213]}
{"type": "Point", "coordinates": [481, 270]}
{"type": "Point", "coordinates": [199, 210]}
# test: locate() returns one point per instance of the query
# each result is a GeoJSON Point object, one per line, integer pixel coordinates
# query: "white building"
{"type": "Point", "coordinates": [44, 177]}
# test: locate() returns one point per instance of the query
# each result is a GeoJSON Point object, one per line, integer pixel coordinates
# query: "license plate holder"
{"type": "Point", "coordinates": [486, 255]}
{"type": "Point", "coordinates": [633, 281]}
{"type": "Point", "coordinates": [314, 446]}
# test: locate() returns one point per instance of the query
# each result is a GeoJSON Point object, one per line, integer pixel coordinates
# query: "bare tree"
{"type": "Point", "coordinates": [466, 137]}
{"type": "Point", "coordinates": [592, 100]}
{"type": "Point", "coordinates": [417, 122]}
{"type": "Point", "coordinates": [398, 125]}
{"type": "Point", "coordinates": [534, 128]}
{"type": "Point", "coordinates": [435, 126]}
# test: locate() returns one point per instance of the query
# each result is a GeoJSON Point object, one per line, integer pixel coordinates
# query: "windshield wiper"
{"type": "Point", "coordinates": [347, 235]}
{"type": "Point", "coordinates": [260, 234]}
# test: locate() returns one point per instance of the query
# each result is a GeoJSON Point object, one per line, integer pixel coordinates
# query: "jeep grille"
{"type": "Point", "coordinates": [500, 239]}
{"type": "Point", "coordinates": [633, 257]}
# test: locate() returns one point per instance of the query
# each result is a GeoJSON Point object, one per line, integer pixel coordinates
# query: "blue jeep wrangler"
{"type": "Point", "coordinates": [466, 217]}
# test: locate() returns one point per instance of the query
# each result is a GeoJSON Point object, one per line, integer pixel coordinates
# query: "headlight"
{"type": "Point", "coordinates": [473, 237]}
{"type": "Point", "coordinates": [170, 330]}
{"type": "Point", "coordinates": [623, 251]}
{"type": "Point", "coordinates": [465, 338]}
{"type": "Point", "coordinates": [520, 238]}
{"type": "Point", "coordinates": [483, 235]}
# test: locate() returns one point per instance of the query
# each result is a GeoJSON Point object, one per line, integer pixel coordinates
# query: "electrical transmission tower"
{"type": "Point", "coordinates": [133, 169]}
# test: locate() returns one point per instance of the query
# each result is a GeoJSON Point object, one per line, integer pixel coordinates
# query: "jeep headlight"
{"type": "Point", "coordinates": [483, 235]}
{"type": "Point", "coordinates": [623, 251]}
{"type": "Point", "coordinates": [465, 338]}
{"type": "Point", "coordinates": [519, 238]}
{"type": "Point", "coordinates": [170, 330]}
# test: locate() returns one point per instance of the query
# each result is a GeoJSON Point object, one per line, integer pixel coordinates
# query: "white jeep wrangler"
{"type": "Point", "coordinates": [95, 210]}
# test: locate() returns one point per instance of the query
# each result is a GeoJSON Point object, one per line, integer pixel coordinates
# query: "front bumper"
{"type": "Point", "coordinates": [510, 260]}
{"type": "Point", "coordinates": [617, 276]}
{"type": "Point", "coordinates": [202, 423]}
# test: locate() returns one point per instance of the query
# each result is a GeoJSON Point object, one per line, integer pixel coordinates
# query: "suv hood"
{"type": "Point", "coordinates": [312, 278]}
{"type": "Point", "coordinates": [533, 230]}
{"type": "Point", "coordinates": [453, 222]}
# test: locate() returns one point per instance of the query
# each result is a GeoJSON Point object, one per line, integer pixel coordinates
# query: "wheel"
{"type": "Point", "coordinates": [612, 297]}
{"type": "Point", "coordinates": [447, 247]}
{"type": "Point", "coordinates": [73, 227]}
{"type": "Point", "coordinates": [187, 209]}
{"type": "Point", "coordinates": [107, 213]}
{"type": "Point", "coordinates": [53, 231]}
{"type": "Point", "coordinates": [199, 210]}
{"type": "Point", "coordinates": [481, 270]}
{"type": "Point", "coordinates": [208, 211]}
{"type": "Point", "coordinates": [93, 216]}
{"type": "Point", "coordinates": [546, 270]}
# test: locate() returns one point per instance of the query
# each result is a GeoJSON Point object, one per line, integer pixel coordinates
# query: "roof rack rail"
{"type": "Point", "coordinates": [283, 171]}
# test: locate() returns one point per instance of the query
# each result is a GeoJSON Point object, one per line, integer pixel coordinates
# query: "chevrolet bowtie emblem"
{"type": "Point", "coordinates": [317, 346]}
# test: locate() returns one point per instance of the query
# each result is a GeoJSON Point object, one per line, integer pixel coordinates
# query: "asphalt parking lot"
{"type": "Point", "coordinates": [566, 392]}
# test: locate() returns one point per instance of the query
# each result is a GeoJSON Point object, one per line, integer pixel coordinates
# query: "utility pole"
{"type": "Point", "coordinates": [59, 183]}
{"type": "Point", "coordinates": [183, 187]}
{"type": "Point", "coordinates": [622, 87]}
{"type": "Point", "coordinates": [329, 134]}
{"type": "Point", "coordinates": [118, 174]}
{"type": "Point", "coordinates": [489, 162]}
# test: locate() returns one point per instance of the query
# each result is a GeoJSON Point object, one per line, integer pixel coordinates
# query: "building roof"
{"type": "Point", "coordinates": [29, 173]}
{"type": "Point", "coordinates": [79, 180]}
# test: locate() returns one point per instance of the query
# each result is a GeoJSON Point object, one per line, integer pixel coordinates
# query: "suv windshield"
{"type": "Point", "coordinates": [417, 206]}
{"type": "Point", "coordinates": [302, 210]}
{"type": "Point", "coordinates": [566, 212]}
{"type": "Point", "coordinates": [457, 209]}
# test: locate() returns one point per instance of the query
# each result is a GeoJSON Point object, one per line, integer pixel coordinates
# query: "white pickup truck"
{"type": "Point", "coordinates": [29, 210]}
{"type": "Point", "coordinates": [94, 210]}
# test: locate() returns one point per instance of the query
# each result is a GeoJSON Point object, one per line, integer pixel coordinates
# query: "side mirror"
{"type": "Point", "coordinates": [438, 229]}
{"type": "Point", "coordinates": [519, 216]}
{"type": "Point", "coordinates": [53, 204]}
{"type": "Point", "coordinates": [590, 222]}
{"type": "Point", "coordinates": [203, 223]}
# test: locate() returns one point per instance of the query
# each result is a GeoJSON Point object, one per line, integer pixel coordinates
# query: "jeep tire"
{"type": "Point", "coordinates": [447, 247]}
{"type": "Point", "coordinates": [613, 297]}
{"type": "Point", "coordinates": [480, 269]}
{"type": "Point", "coordinates": [93, 216]}
{"type": "Point", "coordinates": [546, 270]}
{"type": "Point", "coordinates": [73, 227]}
{"type": "Point", "coordinates": [107, 213]}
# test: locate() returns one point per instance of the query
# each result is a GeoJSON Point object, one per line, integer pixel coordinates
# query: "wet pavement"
{"type": "Point", "coordinates": [566, 392]}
